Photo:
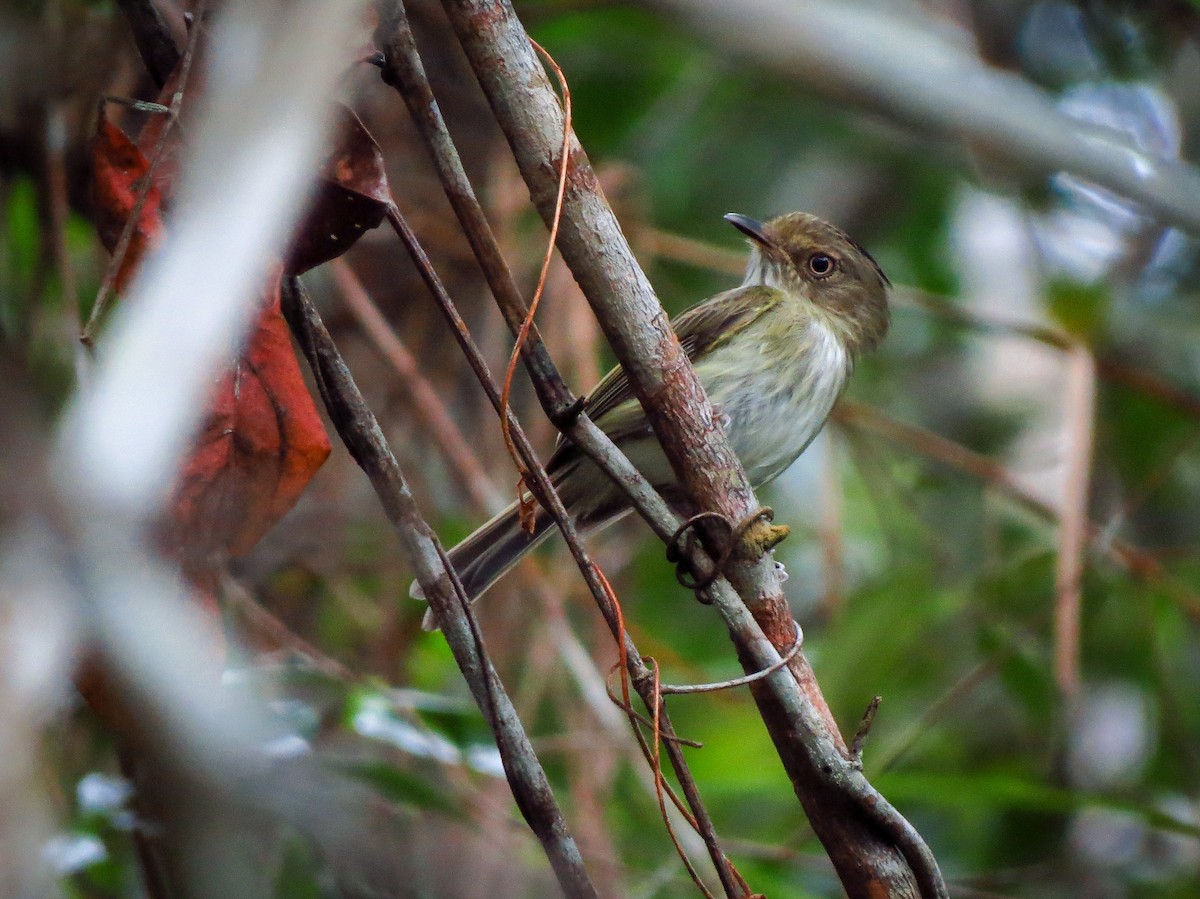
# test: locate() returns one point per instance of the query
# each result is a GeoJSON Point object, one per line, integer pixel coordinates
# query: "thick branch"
{"type": "Point", "coordinates": [868, 842]}
{"type": "Point", "coordinates": [402, 68]}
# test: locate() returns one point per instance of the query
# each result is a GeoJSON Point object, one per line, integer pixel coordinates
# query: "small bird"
{"type": "Point", "coordinates": [773, 355]}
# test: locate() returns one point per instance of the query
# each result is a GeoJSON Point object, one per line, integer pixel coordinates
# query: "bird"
{"type": "Point", "coordinates": [773, 355]}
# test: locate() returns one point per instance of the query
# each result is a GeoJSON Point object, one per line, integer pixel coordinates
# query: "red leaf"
{"type": "Point", "coordinates": [261, 445]}
{"type": "Point", "coordinates": [119, 169]}
{"type": "Point", "coordinates": [352, 198]}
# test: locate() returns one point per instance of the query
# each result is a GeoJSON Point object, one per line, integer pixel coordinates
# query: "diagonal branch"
{"type": "Point", "coordinates": [878, 58]}
{"type": "Point", "coordinates": [360, 431]}
{"type": "Point", "coordinates": [427, 405]}
{"type": "Point", "coordinates": [153, 38]}
{"type": "Point", "coordinates": [539, 484]}
{"type": "Point", "coordinates": [1139, 562]}
{"type": "Point", "coordinates": [875, 850]}
{"type": "Point", "coordinates": [403, 69]}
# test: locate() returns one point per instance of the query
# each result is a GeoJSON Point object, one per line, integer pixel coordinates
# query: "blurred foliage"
{"type": "Point", "coordinates": [913, 580]}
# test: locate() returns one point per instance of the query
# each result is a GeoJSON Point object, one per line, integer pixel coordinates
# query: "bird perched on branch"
{"type": "Point", "coordinates": [773, 355]}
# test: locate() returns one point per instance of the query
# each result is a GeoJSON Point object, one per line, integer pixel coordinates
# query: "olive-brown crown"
{"type": "Point", "coordinates": [807, 256]}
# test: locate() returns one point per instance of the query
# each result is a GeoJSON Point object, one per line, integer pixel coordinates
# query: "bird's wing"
{"type": "Point", "coordinates": [716, 320]}
{"type": "Point", "coordinates": [612, 404]}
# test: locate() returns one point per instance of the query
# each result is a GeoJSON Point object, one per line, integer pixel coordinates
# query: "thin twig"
{"type": "Point", "coordinates": [743, 681]}
{"type": "Point", "coordinates": [1118, 371]}
{"type": "Point", "coordinates": [1110, 367]}
{"type": "Point", "coordinates": [58, 208]}
{"type": "Point", "coordinates": [1140, 563]}
{"type": "Point", "coordinates": [922, 725]}
{"type": "Point", "coordinates": [690, 251]}
{"type": "Point", "coordinates": [268, 624]}
{"type": "Point", "coordinates": [926, 442]}
{"type": "Point", "coordinates": [155, 880]}
{"type": "Point", "coordinates": [426, 402]}
{"type": "Point", "coordinates": [360, 431]}
{"type": "Point", "coordinates": [1153, 481]}
{"type": "Point", "coordinates": [660, 784]}
{"type": "Point", "coordinates": [1079, 402]}
{"type": "Point", "coordinates": [864, 729]}
{"type": "Point", "coordinates": [832, 526]}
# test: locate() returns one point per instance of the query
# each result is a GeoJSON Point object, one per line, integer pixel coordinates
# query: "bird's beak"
{"type": "Point", "coordinates": [751, 228]}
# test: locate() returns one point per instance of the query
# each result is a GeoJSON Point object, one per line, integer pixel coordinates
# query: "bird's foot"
{"type": "Point", "coordinates": [767, 536]}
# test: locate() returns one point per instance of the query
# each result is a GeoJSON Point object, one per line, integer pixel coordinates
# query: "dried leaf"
{"type": "Point", "coordinates": [119, 169]}
{"type": "Point", "coordinates": [352, 198]}
{"type": "Point", "coordinates": [261, 445]}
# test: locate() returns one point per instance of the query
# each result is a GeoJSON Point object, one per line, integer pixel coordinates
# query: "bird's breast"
{"type": "Point", "coordinates": [774, 388]}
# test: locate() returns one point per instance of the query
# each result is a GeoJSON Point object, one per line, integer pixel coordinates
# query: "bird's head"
{"type": "Point", "coordinates": [812, 260]}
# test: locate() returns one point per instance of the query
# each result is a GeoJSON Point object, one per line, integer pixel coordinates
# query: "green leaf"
{"type": "Point", "coordinates": [1080, 309]}
{"type": "Point", "coordinates": [1011, 792]}
{"type": "Point", "coordinates": [403, 787]}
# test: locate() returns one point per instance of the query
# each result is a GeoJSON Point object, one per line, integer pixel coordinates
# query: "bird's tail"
{"type": "Point", "coordinates": [487, 555]}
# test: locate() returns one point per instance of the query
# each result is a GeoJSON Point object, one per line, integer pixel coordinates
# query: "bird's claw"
{"type": "Point", "coordinates": [773, 535]}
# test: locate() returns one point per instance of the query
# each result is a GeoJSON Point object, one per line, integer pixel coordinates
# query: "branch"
{"type": "Point", "coordinates": [1137, 561]}
{"type": "Point", "coordinates": [360, 431]}
{"type": "Point", "coordinates": [1079, 403]}
{"type": "Point", "coordinates": [882, 61]}
{"type": "Point", "coordinates": [187, 307]}
{"type": "Point", "coordinates": [426, 403]}
{"type": "Point", "coordinates": [875, 850]}
{"type": "Point", "coordinates": [591, 682]}
{"type": "Point", "coordinates": [402, 68]}
{"type": "Point", "coordinates": [541, 487]}
{"type": "Point", "coordinates": [1118, 371]}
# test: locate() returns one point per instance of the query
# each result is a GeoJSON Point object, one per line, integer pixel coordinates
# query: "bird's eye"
{"type": "Point", "coordinates": [821, 264]}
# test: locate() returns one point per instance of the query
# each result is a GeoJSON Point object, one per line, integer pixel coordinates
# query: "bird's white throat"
{"type": "Point", "coordinates": [761, 272]}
